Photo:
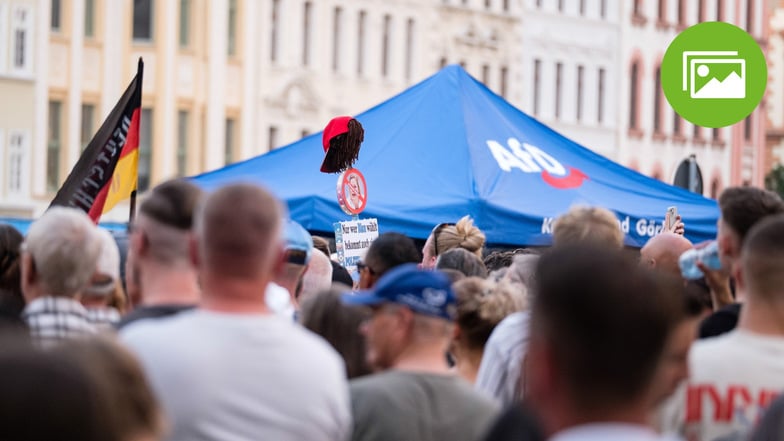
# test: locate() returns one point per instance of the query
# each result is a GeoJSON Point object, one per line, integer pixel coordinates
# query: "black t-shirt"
{"type": "Point", "coordinates": [515, 424]}
{"type": "Point", "coordinates": [152, 312]}
{"type": "Point", "coordinates": [720, 322]}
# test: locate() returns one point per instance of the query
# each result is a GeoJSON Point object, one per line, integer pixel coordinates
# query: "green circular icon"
{"type": "Point", "coordinates": [714, 74]}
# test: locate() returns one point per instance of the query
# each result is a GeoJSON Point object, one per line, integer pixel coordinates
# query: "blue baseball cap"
{"type": "Point", "coordinates": [425, 292]}
{"type": "Point", "coordinates": [297, 242]}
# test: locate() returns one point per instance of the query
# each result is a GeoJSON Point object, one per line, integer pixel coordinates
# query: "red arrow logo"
{"type": "Point", "coordinates": [574, 179]}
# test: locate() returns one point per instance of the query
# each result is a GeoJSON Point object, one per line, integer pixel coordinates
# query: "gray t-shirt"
{"type": "Point", "coordinates": [406, 406]}
{"type": "Point", "coordinates": [227, 377]}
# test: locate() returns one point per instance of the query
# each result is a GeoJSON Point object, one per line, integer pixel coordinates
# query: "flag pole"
{"type": "Point", "coordinates": [139, 78]}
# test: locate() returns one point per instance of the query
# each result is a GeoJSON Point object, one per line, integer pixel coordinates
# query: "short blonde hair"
{"type": "Point", "coordinates": [588, 225]}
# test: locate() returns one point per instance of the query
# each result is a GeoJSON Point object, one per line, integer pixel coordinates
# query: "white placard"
{"type": "Point", "coordinates": [352, 239]}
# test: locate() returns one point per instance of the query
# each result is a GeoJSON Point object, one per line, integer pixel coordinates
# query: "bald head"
{"type": "Point", "coordinates": [238, 231]}
{"type": "Point", "coordinates": [663, 250]}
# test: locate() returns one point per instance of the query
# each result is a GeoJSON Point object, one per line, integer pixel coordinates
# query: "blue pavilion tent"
{"type": "Point", "coordinates": [448, 147]}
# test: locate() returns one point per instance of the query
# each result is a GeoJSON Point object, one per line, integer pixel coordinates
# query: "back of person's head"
{"type": "Point", "coordinates": [322, 245]}
{"type": "Point", "coordinates": [107, 271]}
{"type": "Point", "coordinates": [481, 305]}
{"type": "Point", "coordinates": [134, 412]}
{"type": "Point", "coordinates": [503, 259]}
{"type": "Point", "coordinates": [742, 207]}
{"type": "Point", "coordinates": [662, 252]}
{"type": "Point", "coordinates": [166, 217]}
{"type": "Point", "coordinates": [63, 248]}
{"type": "Point", "coordinates": [326, 315]}
{"type": "Point", "coordinates": [46, 396]}
{"type": "Point", "coordinates": [762, 260]}
{"type": "Point", "coordinates": [11, 300]}
{"type": "Point", "coordinates": [464, 234]}
{"type": "Point", "coordinates": [317, 277]}
{"type": "Point", "coordinates": [602, 321]}
{"type": "Point", "coordinates": [523, 270]}
{"type": "Point", "coordinates": [238, 230]}
{"type": "Point", "coordinates": [588, 225]}
{"type": "Point", "coordinates": [340, 274]}
{"type": "Point", "coordinates": [390, 250]}
{"type": "Point", "coordinates": [462, 260]}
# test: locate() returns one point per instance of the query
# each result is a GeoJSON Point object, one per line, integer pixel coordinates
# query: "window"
{"type": "Point", "coordinates": [337, 28]}
{"type": "Point", "coordinates": [748, 129]}
{"type": "Point", "coordinates": [750, 16]}
{"type": "Point", "coordinates": [488, 4]}
{"type": "Point", "coordinates": [662, 11]}
{"type": "Point", "coordinates": [580, 70]}
{"type": "Point", "coordinates": [714, 191]}
{"type": "Point", "coordinates": [56, 19]}
{"type": "Point", "coordinates": [442, 62]}
{"type": "Point", "coordinates": [88, 124]}
{"type": "Point", "coordinates": [560, 5]}
{"type": "Point", "coordinates": [272, 138]}
{"type": "Point", "coordinates": [676, 124]}
{"type": "Point", "coordinates": [582, 7]}
{"type": "Point", "coordinates": [600, 101]}
{"type": "Point", "coordinates": [22, 44]}
{"type": "Point", "coordinates": [185, 23]}
{"type": "Point", "coordinates": [182, 142]}
{"type": "Point", "coordinates": [701, 11]}
{"type": "Point", "coordinates": [89, 18]}
{"type": "Point", "coordinates": [716, 135]}
{"type": "Point", "coordinates": [603, 8]}
{"type": "Point", "coordinates": [307, 14]}
{"type": "Point", "coordinates": [637, 8]}
{"type": "Point", "coordinates": [145, 149]}
{"type": "Point", "coordinates": [230, 136]}
{"type": "Point", "coordinates": [16, 150]}
{"type": "Point", "coordinates": [485, 74]}
{"type": "Point", "coordinates": [719, 10]}
{"type": "Point", "coordinates": [681, 13]}
{"type": "Point", "coordinates": [558, 79]}
{"type": "Point", "coordinates": [274, 30]}
{"type": "Point", "coordinates": [409, 47]}
{"type": "Point", "coordinates": [657, 101]}
{"type": "Point", "coordinates": [504, 75]}
{"type": "Point", "coordinates": [362, 19]}
{"type": "Point", "coordinates": [231, 44]}
{"type": "Point", "coordinates": [385, 45]}
{"type": "Point", "coordinates": [634, 99]}
{"type": "Point", "coordinates": [697, 133]}
{"type": "Point", "coordinates": [54, 146]}
{"type": "Point", "coordinates": [506, 6]}
{"type": "Point", "coordinates": [304, 133]}
{"type": "Point", "coordinates": [537, 80]}
{"type": "Point", "coordinates": [142, 20]}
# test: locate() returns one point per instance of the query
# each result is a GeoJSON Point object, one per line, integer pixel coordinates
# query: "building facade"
{"type": "Point", "coordinates": [775, 98]}
{"type": "Point", "coordinates": [570, 56]}
{"type": "Point", "coordinates": [653, 139]}
{"type": "Point", "coordinates": [225, 80]}
{"type": "Point", "coordinates": [18, 79]}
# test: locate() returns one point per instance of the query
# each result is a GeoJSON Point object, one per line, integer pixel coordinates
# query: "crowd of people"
{"type": "Point", "coordinates": [226, 321]}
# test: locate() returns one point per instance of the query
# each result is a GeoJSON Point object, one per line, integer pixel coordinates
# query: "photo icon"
{"type": "Point", "coordinates": [721, 75]}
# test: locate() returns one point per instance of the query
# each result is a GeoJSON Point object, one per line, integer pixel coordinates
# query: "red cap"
{"type": "Point", "coordinates": [337, 126]}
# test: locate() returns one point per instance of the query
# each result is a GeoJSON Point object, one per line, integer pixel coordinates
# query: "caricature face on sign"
{"type": "Point", "coordinates": [352, 191]}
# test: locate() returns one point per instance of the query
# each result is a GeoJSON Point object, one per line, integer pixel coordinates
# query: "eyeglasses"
{"type": "Point", "coordinates": [436, 231]}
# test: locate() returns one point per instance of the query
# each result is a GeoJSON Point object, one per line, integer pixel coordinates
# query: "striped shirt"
{"type": "Point", "coordinates": [54, 319]}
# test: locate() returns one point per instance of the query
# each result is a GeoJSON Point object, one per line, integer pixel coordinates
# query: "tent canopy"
{"type": "Point", "coordinates": [448, 147]}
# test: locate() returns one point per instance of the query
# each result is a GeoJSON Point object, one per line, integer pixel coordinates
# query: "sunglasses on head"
{"type": "Point", "coordinates": [436, 231]}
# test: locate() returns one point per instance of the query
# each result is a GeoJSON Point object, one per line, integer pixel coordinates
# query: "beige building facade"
{"type": "Point", "coordinates": [225, 80]}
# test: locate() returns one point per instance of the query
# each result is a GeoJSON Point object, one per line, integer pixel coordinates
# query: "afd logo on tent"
{"type": "Point", "coordinates": [531, 159]}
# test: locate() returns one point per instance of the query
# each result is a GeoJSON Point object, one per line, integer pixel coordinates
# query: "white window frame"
{"type": "Point", "coordinates": [22, 19]}
{"type": "Point", "coordinates": [18, 163]}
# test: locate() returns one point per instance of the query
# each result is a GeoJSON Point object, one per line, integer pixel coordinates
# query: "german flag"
{"type": "Point", "coordinates": [106, 173]}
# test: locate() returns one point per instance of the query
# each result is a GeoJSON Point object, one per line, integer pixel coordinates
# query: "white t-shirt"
{"type": "Point", "coordinates": [733, 378]}
{"type": "Point", "coordinates": [241, 377]}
